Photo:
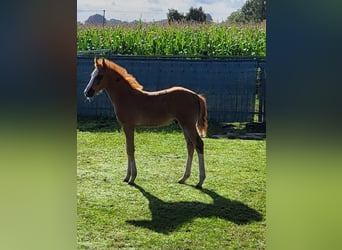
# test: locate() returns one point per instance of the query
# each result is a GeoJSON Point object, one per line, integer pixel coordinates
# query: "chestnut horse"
{"type": "Point", "coordinates": [135, 107]}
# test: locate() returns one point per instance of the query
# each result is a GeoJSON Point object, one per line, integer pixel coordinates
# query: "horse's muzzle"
{"type": "Point", "coordinates": [89, 93]}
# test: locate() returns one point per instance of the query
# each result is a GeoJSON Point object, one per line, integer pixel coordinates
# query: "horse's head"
{"type": "Point", "coordinates": [97, 80]}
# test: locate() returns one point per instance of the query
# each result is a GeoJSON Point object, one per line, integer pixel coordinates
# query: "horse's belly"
{"type": "Point", "coordinates": [154, 120]}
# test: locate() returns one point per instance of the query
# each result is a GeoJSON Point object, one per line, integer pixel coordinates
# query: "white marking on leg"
{"type": "Point", "coordinates": [188, 166]}
{"type": "Point", "coordinates": [133, 169]}
{"type": "Point", "coordinates": [187, 170]}
{"type": "Point", "coordinates": [129, 172]}
{"type": "Point", "coordinates": [201, 170]}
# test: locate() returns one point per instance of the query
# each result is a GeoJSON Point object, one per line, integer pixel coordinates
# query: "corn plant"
{"type": "Point", "coordinates": [176, 39]}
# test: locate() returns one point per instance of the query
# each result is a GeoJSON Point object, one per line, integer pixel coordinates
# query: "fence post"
{"type": "Point", "coordinates": [261, 94]}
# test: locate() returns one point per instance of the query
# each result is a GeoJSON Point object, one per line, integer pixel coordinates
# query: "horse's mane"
{"type": "Point", "coordinates": [125, 75]}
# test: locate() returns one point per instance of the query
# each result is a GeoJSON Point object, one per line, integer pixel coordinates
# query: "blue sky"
{"type": "Point", "coordinates": [149, 10]}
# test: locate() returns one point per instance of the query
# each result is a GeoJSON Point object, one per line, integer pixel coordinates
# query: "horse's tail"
{"type": "Point", "coordinates": [202, 123]}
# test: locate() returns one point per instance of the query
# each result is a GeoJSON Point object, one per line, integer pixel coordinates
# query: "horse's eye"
{"type": "Point", "coordinates": [98, 77]}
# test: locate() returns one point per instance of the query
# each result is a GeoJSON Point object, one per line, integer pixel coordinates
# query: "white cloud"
{"type": "Point", "coordinates": [148, 10]}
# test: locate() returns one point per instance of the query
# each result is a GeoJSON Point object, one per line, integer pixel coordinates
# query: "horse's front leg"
{"type": "Point", "coordinates": [131, 167]}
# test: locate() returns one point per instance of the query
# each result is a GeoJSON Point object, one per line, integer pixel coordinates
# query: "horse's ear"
{"type": "Point", "coordinates": [96, 62]}
{"type": "Point", "coordinates": [103, 62]}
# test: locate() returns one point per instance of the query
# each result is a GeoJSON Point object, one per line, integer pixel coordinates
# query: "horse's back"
{"type": "Point", "coordinates": [173, 90]}
{"type": "Point", "coordinates": [176, 102]}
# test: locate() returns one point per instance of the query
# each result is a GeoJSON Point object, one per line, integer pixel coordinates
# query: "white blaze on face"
{"type": "Point", "coordinates": [92, 77]}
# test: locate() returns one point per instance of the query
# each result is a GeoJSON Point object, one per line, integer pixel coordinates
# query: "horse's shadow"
{"type": "Point", "coordinates": [169, 216]}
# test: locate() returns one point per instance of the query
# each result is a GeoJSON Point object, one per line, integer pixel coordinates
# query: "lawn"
{"type": "Point", "coordinates": [158, 213]}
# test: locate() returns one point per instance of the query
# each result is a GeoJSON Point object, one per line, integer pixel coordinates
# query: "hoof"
{"type": "Point", "coordinates": [181, 181]}
{"type": "Point", "coordinates": [126, 180]}
{"type": "Point", "coordinates": [198, 186]}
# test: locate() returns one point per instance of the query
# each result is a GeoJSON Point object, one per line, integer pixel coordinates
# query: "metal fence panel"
{"type": "Point", "coordinates": [229, 85]}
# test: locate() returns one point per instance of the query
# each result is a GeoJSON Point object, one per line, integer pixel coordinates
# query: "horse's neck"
{"type": "Point", "coordinates": [119, 91]}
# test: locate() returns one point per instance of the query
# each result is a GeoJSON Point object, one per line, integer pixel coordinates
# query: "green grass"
{"type": "Point", "coordinates": [174, 40]}
{"type": "Point", "coordinates": [159, 213]}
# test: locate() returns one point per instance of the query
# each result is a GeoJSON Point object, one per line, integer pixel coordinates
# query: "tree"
{"type": "Point", "coordinates": [251, 11]}
{"type": "Point", "coordinates": [174, 16]}
{"type": "Point", "coordinates": [254, 10]}
{"type": "Point", "coordinates": [236, 17]}
{"type": "Point", "coordinates": [209, 17]}
{"type": "Point", "coordinates": [196, 14]}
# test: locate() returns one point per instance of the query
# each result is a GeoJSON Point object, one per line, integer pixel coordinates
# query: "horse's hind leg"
{"type": "Point", "coordinates": [199, 146]}
{"type": "Point", "coordinates": [190, 148]}
{"type": "Point", "coordinates": [194, 141]}
{"type": "Point", "coordinates": [131, 167]}
{"type": "Point", "coordinates": [200, 153]}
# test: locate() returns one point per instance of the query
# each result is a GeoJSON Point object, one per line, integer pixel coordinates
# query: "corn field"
{"type": "Point", "coordinates": [174, 40]}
